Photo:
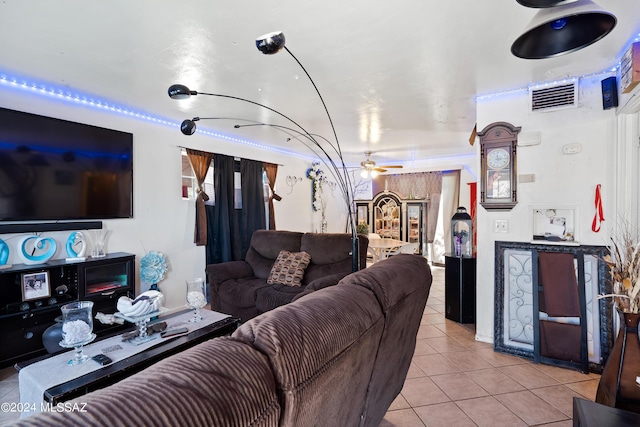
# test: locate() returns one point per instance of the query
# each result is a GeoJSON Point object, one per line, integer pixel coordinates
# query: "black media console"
{"type": "Point", "coordinates": [25, 315]}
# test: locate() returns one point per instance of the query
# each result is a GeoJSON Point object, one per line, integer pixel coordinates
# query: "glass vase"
{"type": "Point", "coordinates": [196, 298]}
{"type": "Point", "coordinates": [77, 328]}
{"type": "Point", "coordinates": [99, 238]}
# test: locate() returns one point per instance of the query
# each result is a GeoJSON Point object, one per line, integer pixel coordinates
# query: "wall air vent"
{"type": "Point", "coordinates": [548, 98]}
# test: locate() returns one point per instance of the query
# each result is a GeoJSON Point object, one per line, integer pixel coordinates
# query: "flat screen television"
{"type": "Point", "coordinates": [52, 169]}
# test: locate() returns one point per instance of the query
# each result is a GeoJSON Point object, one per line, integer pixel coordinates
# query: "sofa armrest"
{"type": "Point", "coordinates": [224, 271]}
{"type": "Point", "coordinates": [321, 282]}
{"type": "Point", "coordinates": [220, 273]}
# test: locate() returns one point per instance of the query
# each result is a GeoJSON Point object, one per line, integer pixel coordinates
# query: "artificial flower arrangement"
{"type": "Point", "coordinates": [153, 267]}
{"type": "Point", "coordinates": [623, 261]}
{"type": "Point", "coordinates": [362, 228]}
{"type": "Point", "coordinates": [461, 234]}
{"type": "Point", "coordinates": [317, 177]}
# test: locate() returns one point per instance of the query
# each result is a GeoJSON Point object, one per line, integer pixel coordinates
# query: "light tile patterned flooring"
{"type": "Point", "coordinates": [455, 381]}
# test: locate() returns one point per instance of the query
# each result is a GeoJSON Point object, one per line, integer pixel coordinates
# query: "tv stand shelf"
{"type": "Point", "coordinates": [25, 315]}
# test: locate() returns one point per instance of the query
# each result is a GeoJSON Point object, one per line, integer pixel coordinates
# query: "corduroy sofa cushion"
{"type": "Point", "coordinates": [401, 285]}
{"type": "Point", "coordinates": [322, 351]}
{"type": "Point", "coordinates": [198, 387]}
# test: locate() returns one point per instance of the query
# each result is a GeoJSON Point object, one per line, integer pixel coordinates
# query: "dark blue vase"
{"type": "Point", "coordinates": [52, 336]}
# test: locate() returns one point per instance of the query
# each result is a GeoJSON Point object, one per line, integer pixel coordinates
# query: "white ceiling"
{"type": "Point", "coordinates": [399, 78]}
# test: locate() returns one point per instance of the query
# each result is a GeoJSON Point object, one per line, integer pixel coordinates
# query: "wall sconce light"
{"type": "Point", "coordinates": [332, 187]}
{"type": "Point", "coordinates": [291, 181]}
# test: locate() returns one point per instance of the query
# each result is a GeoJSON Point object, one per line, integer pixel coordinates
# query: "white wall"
{"type": "Point", "coordinates": [162, 220]}
{"type": "Point", "coordinates": [560, 179]}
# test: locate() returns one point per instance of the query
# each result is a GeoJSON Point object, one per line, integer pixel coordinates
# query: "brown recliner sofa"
{"type": "Point", "coordinates": [335, 357]}
{"type": "Point", "coordinates": [240, 288]}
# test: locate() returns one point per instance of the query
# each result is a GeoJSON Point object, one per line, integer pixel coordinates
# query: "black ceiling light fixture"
{"type": "Point", "coordinates": [544, 3]}
{"type": "Point", "coordinates": [561, 27]}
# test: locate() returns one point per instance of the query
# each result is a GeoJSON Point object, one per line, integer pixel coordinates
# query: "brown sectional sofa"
{"type": "Point", "coordinates": [335, 357]}
{"type": "Point", "coordinates": [240, 288]}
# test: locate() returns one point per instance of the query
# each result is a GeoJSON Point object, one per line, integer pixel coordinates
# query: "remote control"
{"type": "Point", "coordinates": [172, 332]}
{"type": "Point", "coordinates": [102, 359]}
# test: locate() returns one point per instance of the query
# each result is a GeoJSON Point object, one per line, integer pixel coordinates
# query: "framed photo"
{"type": "Point", "coordinates": [35, 286]}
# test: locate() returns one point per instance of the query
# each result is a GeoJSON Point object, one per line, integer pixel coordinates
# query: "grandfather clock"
{"type": "Point", "coordinates": [498, 155]}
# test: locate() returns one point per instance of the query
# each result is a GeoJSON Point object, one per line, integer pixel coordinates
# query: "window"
{"type": "Point", "coordinates": [237, 188]}
{"type": "Point", "coordinates": [189, 184]}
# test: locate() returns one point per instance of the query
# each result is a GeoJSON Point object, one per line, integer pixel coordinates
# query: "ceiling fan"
{"type": "Point", "coordinates": [369, 168]}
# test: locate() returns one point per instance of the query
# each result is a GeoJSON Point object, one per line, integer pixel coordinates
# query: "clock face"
{"type": "Point", "coordinates": [498, 158]}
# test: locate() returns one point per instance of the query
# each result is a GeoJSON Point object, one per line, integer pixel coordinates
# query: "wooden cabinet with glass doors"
{"type": "Point", "coordinates": [389, 216]}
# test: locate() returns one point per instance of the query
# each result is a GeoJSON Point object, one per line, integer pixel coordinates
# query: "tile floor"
{"type": "Point", "coordinates": [456, 381]}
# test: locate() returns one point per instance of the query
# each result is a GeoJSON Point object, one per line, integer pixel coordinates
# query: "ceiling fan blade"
{"type": "Point", "coordinates": [392, 166]}
{"type": "Point", "coordinates": [379, 169]}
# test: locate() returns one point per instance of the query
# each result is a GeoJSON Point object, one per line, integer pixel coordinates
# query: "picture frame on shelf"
{"type": "Point", "coordinates": [554, 224]}
{"type": "Point", "coordinates": [35, 286]}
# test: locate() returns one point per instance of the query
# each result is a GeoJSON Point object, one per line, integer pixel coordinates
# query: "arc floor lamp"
{"type": "Point", "coordinates": [330, 153]}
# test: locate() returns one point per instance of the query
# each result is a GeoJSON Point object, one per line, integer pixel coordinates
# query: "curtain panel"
{"type": "Point", "coordinates": [200, 162]}
{"type": "Point", "coordinates": [253, 200]}
{"type": "Point", "coordinates": [230, 228]}
{"type": "Point", "coordinates": [221, 216]}
{"type": "Point", "coordinates": [272, 172]}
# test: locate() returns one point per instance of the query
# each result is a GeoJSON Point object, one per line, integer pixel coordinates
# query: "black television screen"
{"type": "Point", "coordinates": [52, 169]}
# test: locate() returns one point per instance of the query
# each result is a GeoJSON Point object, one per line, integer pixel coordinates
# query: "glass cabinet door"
{"type": "Point", "coordinates": [416, 228]}
{"type": "Point", "coordinates": [387, 217]}
{"type": "Point", "coordinates": [414, 223]}
{"type": "Point", "coordinates": [362, 218]}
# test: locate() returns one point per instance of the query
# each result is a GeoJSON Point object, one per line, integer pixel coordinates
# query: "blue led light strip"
{"type": "Point", "coordinates": [75, 98]}
{"type": "Point", "coordinates": [49, 90]}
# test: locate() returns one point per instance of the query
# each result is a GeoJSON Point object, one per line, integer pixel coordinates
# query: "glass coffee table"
{"type": "Point", "coordinates": [125, 367]}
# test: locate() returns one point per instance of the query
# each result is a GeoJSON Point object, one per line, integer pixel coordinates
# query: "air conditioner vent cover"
{"type": "Point", "coordinates": [554, 97]}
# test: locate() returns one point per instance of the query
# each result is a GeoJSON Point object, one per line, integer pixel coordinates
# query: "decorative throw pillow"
{"type": "Point", "coordinates": [288, 268]}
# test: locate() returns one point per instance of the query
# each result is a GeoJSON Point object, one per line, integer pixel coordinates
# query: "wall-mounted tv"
{"type": "Point", "coordinates": [52, 169]}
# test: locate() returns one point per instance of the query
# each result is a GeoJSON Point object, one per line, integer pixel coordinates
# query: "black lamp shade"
{"type": "Point", "coordinates": [188, 127]}
{"type": "Point", "coordinates": [544, 3]}
{"type": "Point", "coordinates": [180, 92]}
{"type": "Point", "coordinates": [552, 34]}
{"type": "Point", "coordinates": [270, 43]}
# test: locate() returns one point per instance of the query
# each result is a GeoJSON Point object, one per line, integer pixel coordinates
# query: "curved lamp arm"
{"type": "Point", "coordinates": [270, 44]}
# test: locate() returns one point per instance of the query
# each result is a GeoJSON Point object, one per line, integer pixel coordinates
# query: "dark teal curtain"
{"type": "Point", "coordinates": [253, 214]}
{"type": "Point", "coordinates": [229, 229]}
{"type": "Point", "coordinates": [221, 216]}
